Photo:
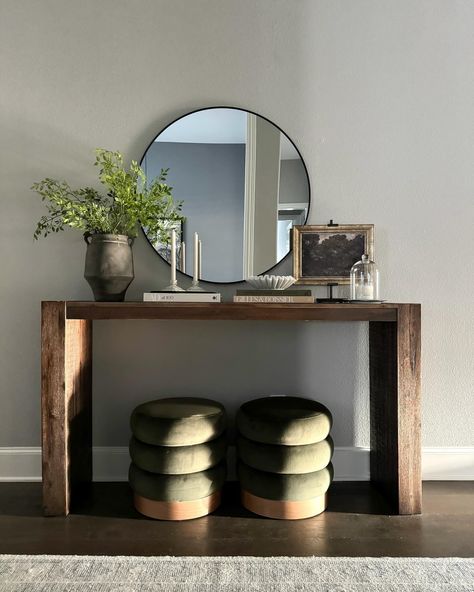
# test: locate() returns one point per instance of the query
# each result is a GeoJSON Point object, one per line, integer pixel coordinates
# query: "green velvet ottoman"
{"type": "Point", "coordinates": [284, 451]}
{"type": "Point", "coordinates": [178, 460]}
{"type": "Point", "coordinates": [274, 458]}
{"type": "Point", "coordinates": [284, 420]}
{"type": "Point", "coordinates": [180, 421]}
{"type": "Point", "coordinates": [285, 496]}
{"type": "Point", "coordinates": [178, 450]}
{"type": "Point", "coordinates": [177, 497]}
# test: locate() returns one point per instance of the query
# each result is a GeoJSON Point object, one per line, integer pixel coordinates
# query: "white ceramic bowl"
{"type": "Point", "coordinates": [271, 282]}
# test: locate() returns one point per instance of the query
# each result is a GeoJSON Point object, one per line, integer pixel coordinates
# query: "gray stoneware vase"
{"type": "Point", "coordinates": [109, 266]}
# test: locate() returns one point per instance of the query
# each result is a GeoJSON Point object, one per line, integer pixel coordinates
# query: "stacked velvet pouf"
{"type": "Point", "coordinates": [284, 456]}
{"type": "Point", "coordinates": [178, 452]}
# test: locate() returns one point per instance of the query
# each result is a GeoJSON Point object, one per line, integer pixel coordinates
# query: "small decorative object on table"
{"type": "Point", "coordinates": [273, 289]}
{"type": "Point", "coordinates": [181, 296]}
{"type": "Point", "coordinates": [173, 293]}
{"type": "Point", "coordinates": [364, 281]}
{"type": "Point", "coordinates": [195, 287]}
{"type": "Point", "coordinates": [271, 282]}
{"type": "Point", "coordinates": [164, 248]}
{"type": "Point", "coordinates": [325, 254]}
{"type": "Point", "coordinates": [110, 222]}
{"type": "Point", "coordinates": [173, 287]}
{"type": "Point", "coordinates": [275, 296]}
{"type": "Point", "coordinates": [331, 299]}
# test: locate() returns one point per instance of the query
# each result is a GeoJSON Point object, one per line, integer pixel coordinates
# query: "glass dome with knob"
{"type": "Point", "coordinates": [364, 280]}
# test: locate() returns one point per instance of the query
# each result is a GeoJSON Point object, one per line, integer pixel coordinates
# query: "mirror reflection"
{"type": "Point", "coordinates": [243, 185]}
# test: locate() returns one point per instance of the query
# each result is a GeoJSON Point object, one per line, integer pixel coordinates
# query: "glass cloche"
{"type": "Point", "coordinates": [364, 280]}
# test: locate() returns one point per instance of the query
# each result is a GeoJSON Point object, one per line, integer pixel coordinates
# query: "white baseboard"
{"type": "Point", "coordinates": [20, 464]}
{"type": "Point", "coordinates": [350, 463]}
{"type": "Point", "coordinates": [448, 464]}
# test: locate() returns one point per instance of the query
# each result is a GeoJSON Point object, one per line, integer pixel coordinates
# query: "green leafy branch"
{"type": "Point", "coordinates": [128, 202]}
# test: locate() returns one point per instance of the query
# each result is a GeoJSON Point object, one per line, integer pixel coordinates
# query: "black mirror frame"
{"type": "Point", "coordinates": [269, 121]}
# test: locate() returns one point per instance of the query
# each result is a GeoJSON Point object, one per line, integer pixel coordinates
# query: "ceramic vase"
{"type": "Point", "coordinates": [109, 266]}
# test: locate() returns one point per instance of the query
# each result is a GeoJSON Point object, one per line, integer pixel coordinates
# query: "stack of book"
{"type": "Point", "coordinates": [181, 297]}
{"type": "Point", "coordinates": [277, 296]}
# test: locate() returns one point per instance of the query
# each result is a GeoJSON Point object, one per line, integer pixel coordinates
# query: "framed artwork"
{"type": "Point", "coordinates": [325, 254]}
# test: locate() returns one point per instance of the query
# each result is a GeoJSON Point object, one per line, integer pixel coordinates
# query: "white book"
{"type": "Point", "coordinates": [181, 297]}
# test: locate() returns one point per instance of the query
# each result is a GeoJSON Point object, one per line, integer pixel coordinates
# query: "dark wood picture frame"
{"type": "Point", "coordinates": [316, 265]}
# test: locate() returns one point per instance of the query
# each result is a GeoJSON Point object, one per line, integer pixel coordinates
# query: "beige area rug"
{"type": "Point", "coordinates": [54, 573]}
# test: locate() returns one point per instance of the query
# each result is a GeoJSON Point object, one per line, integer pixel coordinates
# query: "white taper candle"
{"type": "Point", "coordinates": [196, 258]}
{"type": "Point", "coordinates": [173, 256]}
{"type": "Point", "coordinates": [200, 260]}
{"type": "Point", "coordinates": [183, 257]}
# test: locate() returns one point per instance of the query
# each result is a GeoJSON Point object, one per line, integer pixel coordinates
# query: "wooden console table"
{"type": "Point", "coordinates": [66, 385]}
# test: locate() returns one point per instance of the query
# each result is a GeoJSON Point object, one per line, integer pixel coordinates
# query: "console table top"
{"type": "Point", "coordinates": [226, 311]}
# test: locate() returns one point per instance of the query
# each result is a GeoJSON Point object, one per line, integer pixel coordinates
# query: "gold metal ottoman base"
{"type": "Point", "coordinates": [177, 510]}
{"type": "Point", "coordinates": [284, 510]}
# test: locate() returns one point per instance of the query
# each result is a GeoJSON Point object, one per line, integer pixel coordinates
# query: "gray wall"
{"type": "Point", "coordinates": [210, 180]}
{"type": "Point", "coordinates": [377, 95]}
{"type": "Point", "coordinates": [293, 182]}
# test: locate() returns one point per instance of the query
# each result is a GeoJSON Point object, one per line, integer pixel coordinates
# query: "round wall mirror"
{"type": "Point", "coordinates": [242, 184]}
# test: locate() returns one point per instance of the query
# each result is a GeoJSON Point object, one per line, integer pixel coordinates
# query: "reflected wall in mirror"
{"type": "Point", "coordinates": [243, 185]}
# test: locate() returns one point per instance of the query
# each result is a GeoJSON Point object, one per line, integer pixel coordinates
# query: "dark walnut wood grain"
{"type": "Point", "coordinates": [230, 311]}
{"type": "Point", "coordinates": [53, 408]}
{"type": "Point", "coordinates": [79, 405]}
{"type": "Point", "coordinates": [67, 398]}
{"type": "Point", "coordinates": [66, 395]}
{"type": "Point", "coordinates": [395, 459]}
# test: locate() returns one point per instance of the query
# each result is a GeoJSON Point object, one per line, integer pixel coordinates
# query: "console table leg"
{"type": "Point", "coordinates": [395, 458]}
{"type": "Point", "coordinates": [66, 401]}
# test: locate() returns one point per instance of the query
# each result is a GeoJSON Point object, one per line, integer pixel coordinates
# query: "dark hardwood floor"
{"type": "Point", "coordinates": [356, 523]}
